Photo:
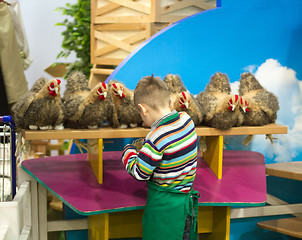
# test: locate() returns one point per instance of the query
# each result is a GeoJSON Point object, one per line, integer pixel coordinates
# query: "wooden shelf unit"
{"type": "Point", "coordinates": [142, 132]}
{"type": "Point", "coordinates": [118, 27]}
{"type": "Point", "coordinates": [288, 226]}
{"type": "Point", "coordinates": [214, 139]}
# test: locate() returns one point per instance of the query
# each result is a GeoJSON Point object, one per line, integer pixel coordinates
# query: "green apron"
{"type": "Point", "coordinates": [166, 212]}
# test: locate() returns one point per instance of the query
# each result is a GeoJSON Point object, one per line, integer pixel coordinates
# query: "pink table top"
{"type": "Point", "coordinates": [71, 179]}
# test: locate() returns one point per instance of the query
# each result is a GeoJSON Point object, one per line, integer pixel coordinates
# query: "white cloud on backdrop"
{"type": "Point", "coordinates": [282, 81]}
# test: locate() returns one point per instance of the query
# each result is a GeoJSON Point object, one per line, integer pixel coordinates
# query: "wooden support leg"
{"type": "Point", "coordinates": [95, 157]}
{"type": "Point", "coordinates": [213, 155]}
{"type": "Point", "coordinates": [116, 225]}
{"type": "Point", "coordinates": [205, 219]}
{"type": "Point", "coordinates": [42, 212]}
{"type": "Point", "coordinates": [221, 223]}
{"type": "Point", "coordinates": [98, 227]}
{"type": "Point", "coordinates": [34, 209]}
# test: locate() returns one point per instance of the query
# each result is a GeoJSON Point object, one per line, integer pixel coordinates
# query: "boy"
{"type": "Point", "coordinates": [167, 161]}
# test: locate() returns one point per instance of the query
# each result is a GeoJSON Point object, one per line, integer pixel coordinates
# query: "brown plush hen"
{"type": "Point", "coordinates": [182, 100]}
{"type": "Point", "coordinates": [124, 112]}
{"type": "Point", "coordinates": [185, 102]}
{"type": "Point", "coordinates": [218, 106]}
{"type": "Point", "coordinates": [85, 108]}
{"type": "Point", "coordinates": [41, 107]}
{"type": "Point", "coordinates": [259, 105]}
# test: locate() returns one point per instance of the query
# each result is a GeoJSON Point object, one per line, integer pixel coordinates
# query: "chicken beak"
{"type": "Point", "coordinates": [244, 109]}
{"type": "Point", "coordinates": [105, 94]}
{"type": "Point", "coordinates": [187, 105]}
{"type": "Point", "coordinates": [120, 93]}
{"type": "Point", "coordinates": [56, 90]}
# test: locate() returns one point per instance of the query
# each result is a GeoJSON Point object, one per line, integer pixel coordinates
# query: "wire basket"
{"type": "Point", "coordinates": [7, 159]}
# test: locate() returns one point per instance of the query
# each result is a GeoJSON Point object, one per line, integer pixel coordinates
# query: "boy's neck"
{"type": "Point", "coordinates": [160, 113]}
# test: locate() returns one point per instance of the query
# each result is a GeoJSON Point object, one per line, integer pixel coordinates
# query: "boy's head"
{"type": "Point", "coordinates": [152, 97]}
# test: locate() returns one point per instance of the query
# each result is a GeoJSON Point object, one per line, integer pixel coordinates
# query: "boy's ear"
{"type": "Point", "coordinates": [143, 109]}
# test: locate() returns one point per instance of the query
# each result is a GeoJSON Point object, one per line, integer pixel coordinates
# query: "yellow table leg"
{"type": "Point", "coordinates": [98, 227]}
{"type": "Point", "coordinates": [114, 225]}
{"type": "Point", "coordinates": [213, 155]}
{"type": "Point", "coordinates": [214, 223]}
{"type": "Point", "coordinates": [95, 157]}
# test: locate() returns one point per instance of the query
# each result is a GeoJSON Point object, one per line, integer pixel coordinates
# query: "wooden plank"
{"type": "Point", "coordinates": [108, 61]}
{"type": "Point", "coordinates": [142, 132]}
{"type": "Point", "coordinates": [42, 205]}
{"type": "Point", "coordinates": [67, 225]}
{"type": "Point", "coordinates": [288, 226]}
{"type": "Point", "coordinates": [107, 8]}
{"type": "Point", "coordinates": [123, 19]}
{"type": "Point", "coordinates": [243, 130]}
{"type": "Point", "coordinates": [155, 11]}
{"type": "Point", "coordinates": [129, 40]}
{"type": "Point", "coordinates": [291, 170]}
{"type": "Point", "coordinates": [204, 5]}
{"type": "Point", "coordinates": [266, 211]}
{"type": "Point", "coordinates": [177, 6]}
{"type": "Point", "coordinates": [104, 71]}
{"type": "Point", "coordinates": [93, 41]}
{"type": "Point", "coordinates": [113, 41]}
{"type": "Point", "coordinates": [133, 5]}
{"type": "Point", "coordinates": [120, 27]}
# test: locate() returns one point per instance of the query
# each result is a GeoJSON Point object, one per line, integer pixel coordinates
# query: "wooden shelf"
{"type": "Point", "coordinates": [142, 132]}
{"type": "Point", "coordinates": [288, 226]}
{"type": "Point", "coordinates": [291, 170]}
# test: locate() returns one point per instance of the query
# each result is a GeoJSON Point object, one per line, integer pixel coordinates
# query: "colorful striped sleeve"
{"type": "Point", "coordinates": [141, 165]}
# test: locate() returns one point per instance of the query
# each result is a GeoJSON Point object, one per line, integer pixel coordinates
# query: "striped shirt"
{"type": "Point", "coordinates": [169, 153]}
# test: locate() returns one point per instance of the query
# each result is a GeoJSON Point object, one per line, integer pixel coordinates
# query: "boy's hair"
{"type": "Point", "coordinates": [151, 91]}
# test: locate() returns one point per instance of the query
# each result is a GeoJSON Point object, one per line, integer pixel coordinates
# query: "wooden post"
{"type": "Point", "coordinates": [95, 157]}
{"type": "Point", "coordinates": [213, 155]}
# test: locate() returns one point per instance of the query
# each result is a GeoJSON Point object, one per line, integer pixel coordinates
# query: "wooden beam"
{"type": "Point", "coordinates": [142, 132]}
{"type": "Point", "coordinates": [266, 211]}
{"type": "Point", "coordinates": [129, 40]}
{"type": "Point", "coordinates": [133, 5]}
{"type": "Point", "coordinates": [177, 6]}
{"type": "Point", "coordinates": [120, 27]}
{"type": "Point", "coordinates": [108, 61]}
{"type": "Point", "coordinates": [107, 8]}
{"type": "Point", "coordinates": [67, 225]}
{"type": "Point", "coordinates": [123, 19]}
{"type": "Point", "coordinates": [113, 41]}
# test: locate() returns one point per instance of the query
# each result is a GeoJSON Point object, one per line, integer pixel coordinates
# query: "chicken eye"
{"type": "Point", "coordinates": [52, 85]}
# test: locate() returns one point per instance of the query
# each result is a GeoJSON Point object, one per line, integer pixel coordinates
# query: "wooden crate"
{"type": "Point", "coordinates": [119, 26]}
{"type": "Point", "coordinates": [112, 42]}
{"type": "Point", "coordinates": [129, 11]}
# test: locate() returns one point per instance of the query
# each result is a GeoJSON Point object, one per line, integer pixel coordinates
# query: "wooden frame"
{"type": "Point", "coordinates": [126, 11]}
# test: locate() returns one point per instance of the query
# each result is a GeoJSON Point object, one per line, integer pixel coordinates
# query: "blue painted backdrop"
{"type": "Point", "coordinates": [260, 36]}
